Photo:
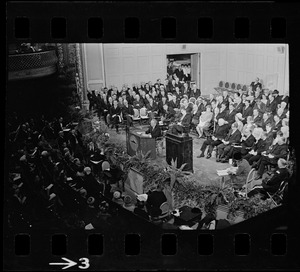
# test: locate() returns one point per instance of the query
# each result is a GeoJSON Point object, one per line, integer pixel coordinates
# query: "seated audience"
{"type": "Point", "coordinates": [271, 184]}
{"type": "Point", "coordinates": [219, 135]}
{"type": "Point", "coordinates": [261, 144]}
{"type": "Point", "coordinates": [233, 137]}
{"type": "Point", "coordinates": [270, 157]}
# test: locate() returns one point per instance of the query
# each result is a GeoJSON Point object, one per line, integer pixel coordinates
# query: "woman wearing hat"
{"type": "Point", "coordinates": [128, 204]}
{"type": "Point", "coordinates": [239, 175]}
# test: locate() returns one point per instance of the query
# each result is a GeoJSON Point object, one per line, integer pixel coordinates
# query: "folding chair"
{"type": "Point", "coordinates": [144, 116]}
{"type": "Point", "coordinates": [192, 100]}
{"type": "Point", "coordinates": [250, 178]}
{"type": "Point", "coordinates": [278, 195]}
{"type": "Point", "coordinates": [136, 116]}
{"type": "Point", "coordinates": [165, 210]}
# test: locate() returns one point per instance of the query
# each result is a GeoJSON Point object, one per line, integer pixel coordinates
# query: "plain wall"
{"type": "Point", "coordinates": [116, 64]}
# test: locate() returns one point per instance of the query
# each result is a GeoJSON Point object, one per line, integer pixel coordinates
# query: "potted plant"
{"type": "Point", "coordinates": [250, 207]}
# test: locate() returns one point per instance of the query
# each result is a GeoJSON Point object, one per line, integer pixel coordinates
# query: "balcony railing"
{"type": "Point", "coordinates": [32, 65]}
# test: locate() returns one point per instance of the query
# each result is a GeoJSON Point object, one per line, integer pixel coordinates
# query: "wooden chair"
{"type": "Point", "coordinates": [221, 84]}
{"type": "Point", "coordinates": [238, 87]}
{"type": "Point", "coordinates": [233, 86]}
{"type": "Point", "coordinates": [227, 85]}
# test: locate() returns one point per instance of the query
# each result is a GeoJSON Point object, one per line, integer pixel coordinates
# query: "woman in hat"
{"type": "Point", "coordinates": [117, 198]}
{"type": "Point", "coordinates": [128, 205]}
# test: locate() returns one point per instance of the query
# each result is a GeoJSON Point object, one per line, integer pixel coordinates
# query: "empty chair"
{"type": "Point", "coordinates": [221, 84]}
{"type": "Point", "coordinates": [233, 86]}
{"type": "Point", "coordinates": [227, 85]}
{"type": "Point", "coordinates": [144, 115]}
{"type": "Point", "coordinates": [244, 88]}
{"type": "Point", "coordinates": [238, 87]}
{"type": "Point", "coordinates": [136, 116]}
{"type": "Point", "coordinates": [192, 100]}
{"type": "Point", "coordinates": [165, 210]}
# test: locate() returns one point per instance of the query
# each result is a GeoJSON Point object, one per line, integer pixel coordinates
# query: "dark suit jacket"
{"type": "Point", "coordinates": [279, 151]}
{"type": "Point", "coordinates": [172, 104]}
{"type": "Point", "coordinates": [261, 108]}
{"type": "Point", "coordinates": [260, 146]}
{"type": "Point", "coordinates": [230, 117]}
{"type": "Point", "coordinates": [222, 115]}
{"type": "Point", "coordinates": [273, 184]}
{"type": "Point", "coordinates": [233, 138]}
{"type": "Point", "coordinates": [239, 107]}
{"type": "Point", "coordinates": [272, 107]}
{"type": "Point", "coordinates": [138, 104]}
{"type": "Point", "coordinates": [221, 131]}
{"type": "Point", "coordinates": [195, 93]}
{"type": "Point", "coordinates": [155, 132]}
{"type": "Point", "coordinates": [249, 142]}
{"type": "Point", "coordinates": [186, 121]}
{"type": "Point", "coordinates": [247, 112]}
{"type": "Point", "coordinates": [127, 110]}
{"type": "Point", "coordinates": [114, 110]}
{"type": "Point", "coordinates": [263, 123]}
{"type": "Point", "coordinates": [152, 108]}
{"type": "Point", "coordinates": [257, 119]}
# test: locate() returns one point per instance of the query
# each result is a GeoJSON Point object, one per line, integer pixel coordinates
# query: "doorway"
{"type": "Point", "coordinates": [190, 64]}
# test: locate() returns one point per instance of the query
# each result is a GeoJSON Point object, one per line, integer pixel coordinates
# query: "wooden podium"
{"type": "Point", "coordinates": [180, 148]}
{"type": "Point", "coordinates": [138, 141]}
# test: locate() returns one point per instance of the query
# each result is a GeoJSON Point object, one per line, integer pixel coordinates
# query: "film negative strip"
{"type": "Point", "coordinates": [269, 240]}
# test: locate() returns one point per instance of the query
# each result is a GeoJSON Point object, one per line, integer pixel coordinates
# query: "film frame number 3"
{"type": "Point", "coordinates": [84, 263]}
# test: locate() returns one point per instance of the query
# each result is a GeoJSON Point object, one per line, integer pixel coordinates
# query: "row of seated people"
{"type": "Point", "coordinates": [256, 147]}
{"type": "Point", "coordinates": [48, 181]}
{"type": "Point", "coordinates": [129, 105]}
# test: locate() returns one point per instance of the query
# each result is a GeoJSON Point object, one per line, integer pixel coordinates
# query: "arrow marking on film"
{"type": "Point", "coordinates": [68, 263]}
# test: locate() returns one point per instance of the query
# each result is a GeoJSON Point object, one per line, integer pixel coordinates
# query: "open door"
{"type": "Point", "coordinates": [195, 69]}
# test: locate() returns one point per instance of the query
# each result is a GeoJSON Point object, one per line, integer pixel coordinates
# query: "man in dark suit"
{"type": "Point", "coordinates": [233, 137]}
{"type": "Point", "coordinates": [271, 185]}
{"type": "Point", "coordinates": [230, 115]}
{"type": "Point", "coordinates": [261, 145]}
{"type": "Point", "coordinates": [239, 105]}
{"type": "Point", "coordinates": [194, 92]}
{"type": "Point", "coordinates": [115, 115]}
{"type": "Point", "coordinates": [247, 141]}
{"type": "Point", "coordinates": [222, 113]}
{"type": "Point", "coordinates": [185, 121]}
{"type": "Point", "coordinates": [272, 104]}
{"type": "Point", "coordinates": [216, 139]}
{"type": "Point", "coordinates": [154, 129]}
{"type": "Point", "coordinates": [247, 111]}
{"type": "Point", "coordinates": [256, 117]}
{"type": "Point", "coordinates": [255, 83]}
{"type": "Point", "coordinates": [127, 113]}
{"type": "Point", "coordinates": [260, 106]}
{"type": "Point", "coordinates": [276, 151]}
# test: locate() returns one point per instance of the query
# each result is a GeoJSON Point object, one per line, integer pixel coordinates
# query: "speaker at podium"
{"type": "Point", "coordinates": [139, 141]}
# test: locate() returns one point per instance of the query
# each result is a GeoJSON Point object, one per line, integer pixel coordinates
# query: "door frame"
{"type": "Point", "coordinates": [199, 66]}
